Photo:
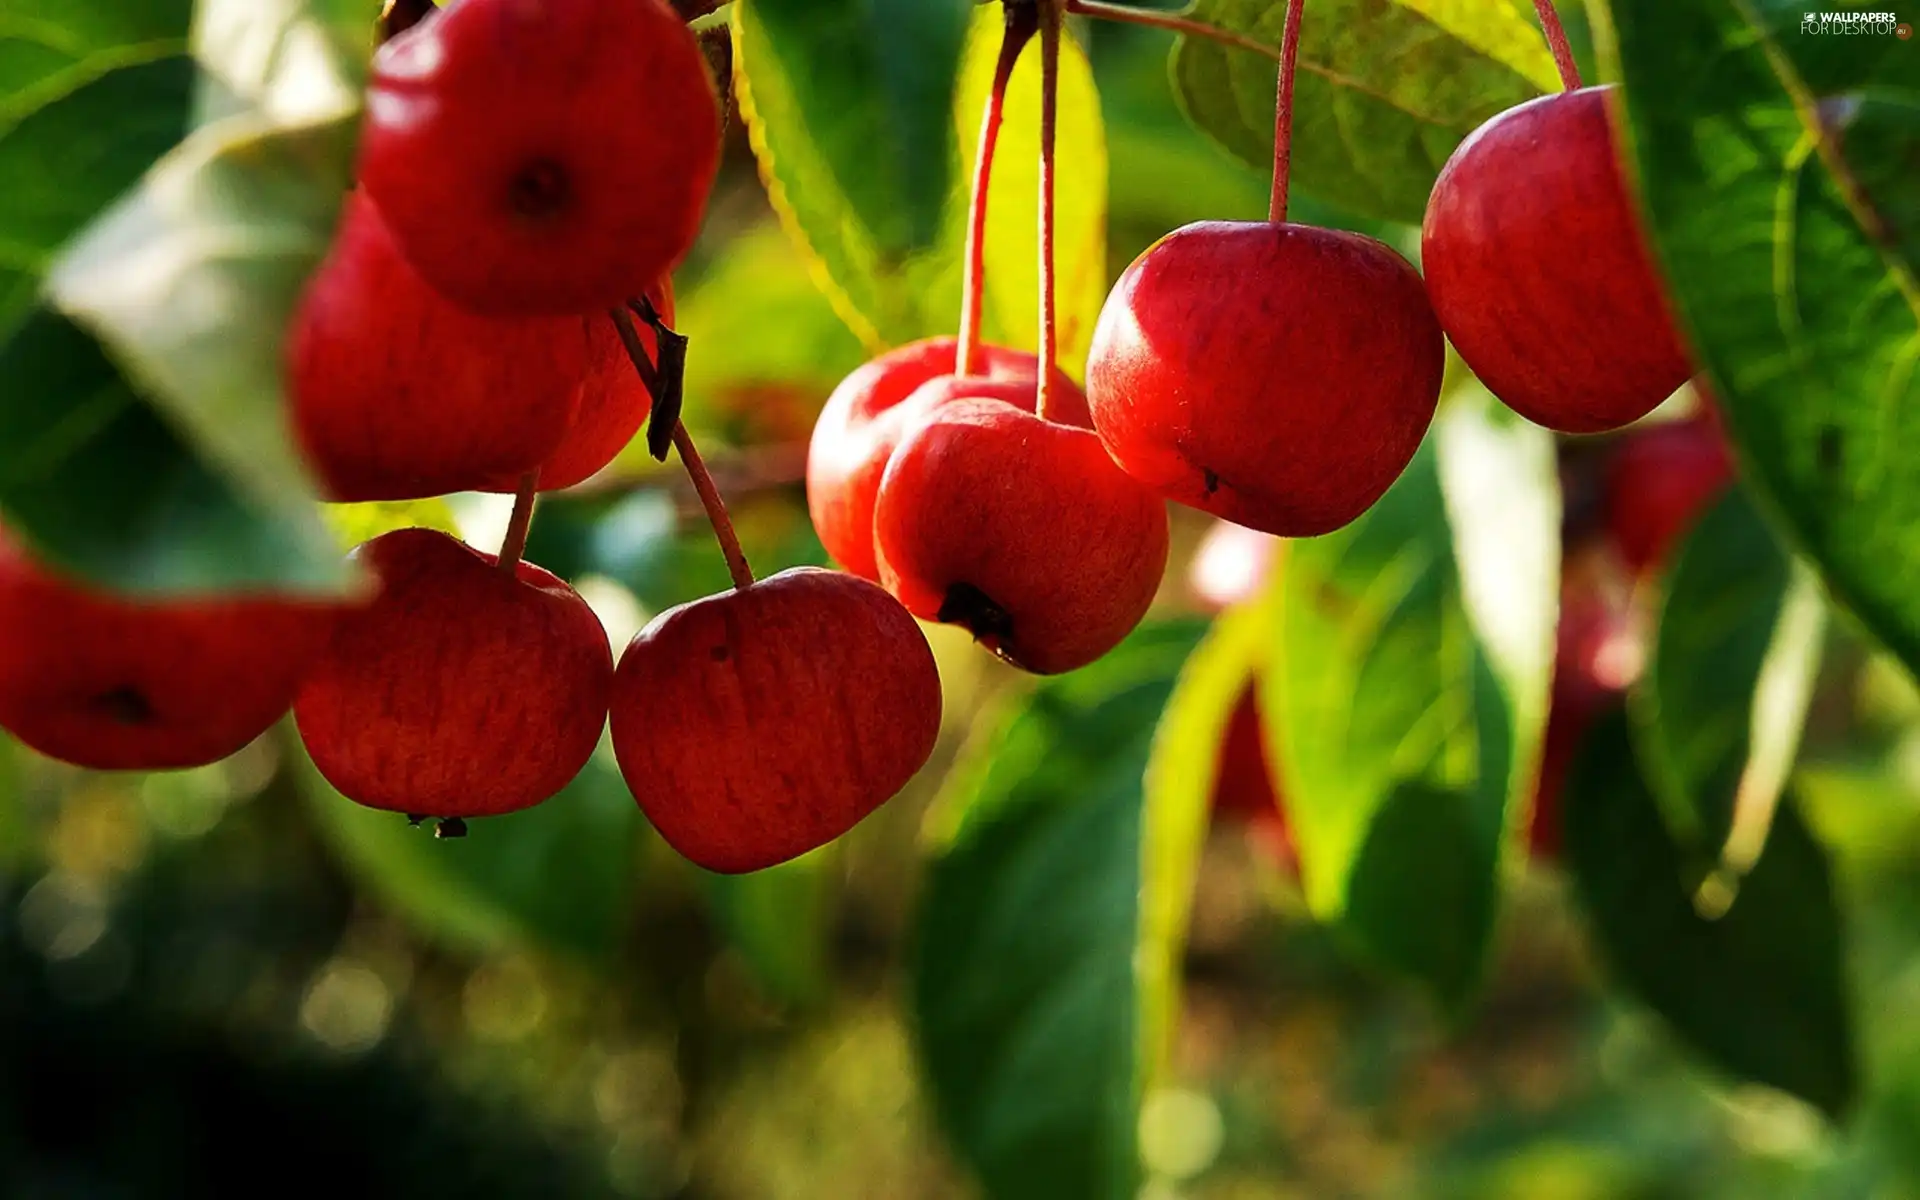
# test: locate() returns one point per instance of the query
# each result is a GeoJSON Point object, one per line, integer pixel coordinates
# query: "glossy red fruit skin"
{"type": "Point", "coordinates": [542, 156]}
{"type": "Point", "coordinates": [1020, 529]}
{"type": "Point", "coordinates": [1658, 483]}
{"type": "Point", "coordinates": [118, 684]}
{"type": "Point", "coordinates": [759, 724]}
{"type": "Point", "coordinates": [1540, 272]}
{"type": "Point", "coordinates": [864, 420]}
{"type": "Point", "coordinates": [612, 404]}
{"type": "Point", "coordinates": [460, 692]}
{"type": "Point", "coordinates": [398, 394]}
{"type": "Point", "coordinates": [1277, 376]}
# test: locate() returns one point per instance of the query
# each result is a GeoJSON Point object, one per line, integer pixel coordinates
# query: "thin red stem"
{"type": "Point", "coordinates": [1050, 18]}
{"type": "Point", "coordinates": [1557, 38]}
{"type": "Point", "coordinates": [1171, 23]}
{"type": "Point", "coordinates": [716, 508]}
{"type": "Point", "coordinates": [1019, 30]}
{"type": "Point", "coordinates": [703, 484]}
{"type": "Point", "coordinates": [515, 543]}
{"type": "Point", "coordinates": [1283, 113]}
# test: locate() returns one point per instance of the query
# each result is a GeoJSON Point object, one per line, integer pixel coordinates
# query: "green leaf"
{"type": "Point", "coordinates": [1178, 789]}
{"type": "Point", "coordinates": [832, 94]}
{"type": "Point", "coordinates": [1410, 695]}
{"type": "Point", "coordinates": [1720, 707]}
{"type": "Point", "coordinates": [557, 877]}
{"type": "Point", "coordinates": [1384, 92]}
{"type": "Point", "coordinates": [1801, 302]}
{"type": "Point", "coordinates": [888, 294]}
{"type": "Point", "coordinates": [1029, 964]}
{"type": "Point", "coordinates": [89, 96]}
{"type": "Point", "coordinates": [780, 921]}
{"type": "Point", "coordinates": [93, 478]}
{"type": "Point", "coordinates": [186, 281]}
{"type": "Point", "coordinates": [1760, 991]}
{"type": "Point", "coordinates": [873, 82]}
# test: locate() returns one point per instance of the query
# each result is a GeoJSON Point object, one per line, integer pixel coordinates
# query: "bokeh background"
{"type": "Point", "coordinates": [231, 982]}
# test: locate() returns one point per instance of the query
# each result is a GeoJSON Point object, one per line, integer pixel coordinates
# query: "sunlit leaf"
{"type": "Point", "coordinates": [1801, 300]}
{"type": "Point", "coordinates": [1385, 89]}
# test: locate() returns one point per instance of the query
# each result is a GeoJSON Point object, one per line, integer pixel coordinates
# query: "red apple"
{"type": "Point", "coordinates": [759, 724]}
{"type": "Point", "coordinates": [398, 394]}
{"type": "Point", "coordinates": [1277, 376]}
{"type": "Point", "coordinates": [864, 420]}
{"type": "Point", "coordinates": [1019, 529]}
{"type": "Point", "coordinates": [612, 406]}
{"type": "Point", "coordinates": [119, 683]}
{"type": "Point", "coordinates": [463, 691]}
{"type": "Point", "coordinates": [543, 156]}
{"type": "Point", "coordinates": [1658, 483]}
{"type": "Point", "coordinates": [1540, 272]}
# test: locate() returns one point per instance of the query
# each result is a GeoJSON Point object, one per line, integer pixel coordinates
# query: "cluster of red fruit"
{"type": "Point", "coordinates": [1276, 375]}
{"type": "Point", "coordinates": [529, 174]}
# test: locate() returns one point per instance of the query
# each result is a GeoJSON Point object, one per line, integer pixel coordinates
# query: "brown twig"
{"type": "Point", "coordinates": [1155, 19]}
{"type": "Point", "coordinates": [703, 484]}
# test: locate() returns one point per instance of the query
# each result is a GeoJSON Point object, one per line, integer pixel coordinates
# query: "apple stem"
{"type": "Point", "coordinates": [716, 508]}
{"type": "Point", "coordinates": [703, 484]}
{"type": "Point", "coordinates": [1171, 23]}
{"type": "Point", "coordinates": [1283, 113]}
{"type": "Point", "coordinates": [515, 543]}
{"type": "Point", "coordinates": [1557, 39]}
{"type": "Point", "coordinates": [1021, 21]}
{"type": "Point", "coordinates": [1050, 19]}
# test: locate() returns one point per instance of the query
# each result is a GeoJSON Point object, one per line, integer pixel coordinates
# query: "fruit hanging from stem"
{"type": "Point", "coordinates": [463, 691]}
{"type": "Point", "coordinates": [762, 723]}
{"type": "Point", "coordinates": [1287, 402]}
{"type": "Point", "coordinates": [1541, 274]}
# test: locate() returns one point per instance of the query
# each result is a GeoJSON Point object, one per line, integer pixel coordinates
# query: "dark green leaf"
{"type": "Point", "coordinates": [77, 149]}
{"type": "Point", "coordinates": [873, 83]}
{"type": "Point", "coordinates": [1410, 695]}
{"type": "Point", "coordinates": [1801, 299]}
{"type": "Point", "coordinates": [889, 293]}
{"type": "Point", "coordinates": [92, 477]}
{"type": "Point", "coordinates": [1760, 991]}
{"type": "Point", "coordinates": [1385, 90]}
{"type": "Point", "coordinates": [1027, 965]}
{"type": "Point", "coordinates": [1739, 641]}
{"type": "Point", "coordinates": [558, 877]}
{"type": "Point", "coordinates": [183, 285]}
